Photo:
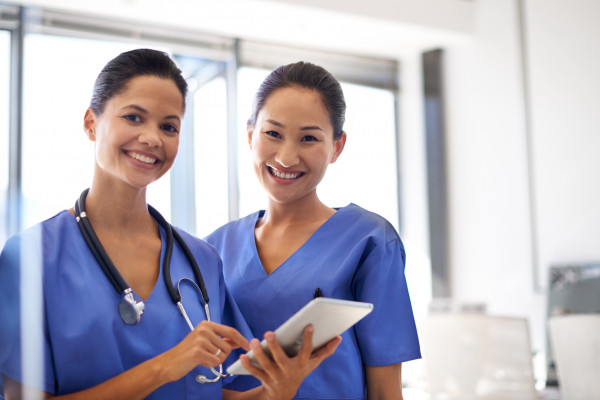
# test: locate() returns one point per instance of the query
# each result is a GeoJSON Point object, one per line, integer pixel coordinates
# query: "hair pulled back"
{"type": "Point", "coordinates": [117, 73]}
{"type": "Point", "coordinates": [310, 76]}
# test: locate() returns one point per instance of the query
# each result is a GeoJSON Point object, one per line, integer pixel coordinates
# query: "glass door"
{"type": "Point", "coordinates": [4, 128]}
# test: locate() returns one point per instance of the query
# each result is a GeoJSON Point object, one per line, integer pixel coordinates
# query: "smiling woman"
{"type": "Point", "coordinates": [276, 258]}
{"type": "Point", "coordinates": [112, 240]}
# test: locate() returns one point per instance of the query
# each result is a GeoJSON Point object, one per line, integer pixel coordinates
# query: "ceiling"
{"type": "Point", "coordinates": [383, 28]}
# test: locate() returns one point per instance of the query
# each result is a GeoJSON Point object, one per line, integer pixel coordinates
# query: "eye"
{"type": "Point", "coordinates": [170, 128]}
{"type": "Point", "coordinates": [272, 133]}
{"type": "Point", "coordinates": [309, 138]}
{"type": "Point", "coordinates": [132, 118]}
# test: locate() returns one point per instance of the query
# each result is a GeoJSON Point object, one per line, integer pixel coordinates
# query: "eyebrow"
{"type": "Point", "coordinates": [304, 128]}
{"type": "Point", "coordinates": [144, 111]}
{"type": "Point", "coordinates": [311, 128]}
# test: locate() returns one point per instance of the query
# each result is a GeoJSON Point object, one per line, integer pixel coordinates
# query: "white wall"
{"type": "Point", "coordinates": [565, 63]}
{"type": "Point", "coordinates": [490, 236]}
{"type": "Point", "coordinates": [490, 230]}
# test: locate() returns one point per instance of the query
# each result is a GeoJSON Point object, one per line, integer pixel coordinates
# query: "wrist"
{"type": "Point", "coordinates": [158, 371]}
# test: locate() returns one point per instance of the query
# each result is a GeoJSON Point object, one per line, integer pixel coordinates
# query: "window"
{"type": "Point", "coordinates": [366, 172]}
{"type": "Point", "coordinates": [252, 196]}
{"type": "Point", "coordinates": [210, 134]}
{"type": "Point", "coordinates": [63, 54]}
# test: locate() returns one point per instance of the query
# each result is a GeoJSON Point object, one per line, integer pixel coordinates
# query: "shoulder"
{"type": "Point", "coordinates": [234, 229]}
{"type": "Point", "coordinates": [367, 223]}
{"type": "Point", "coordinates": [27, 251]}
{"type": "Point", "coordinates": [42, 231]}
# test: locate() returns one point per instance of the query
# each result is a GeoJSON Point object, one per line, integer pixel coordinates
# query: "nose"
{"type": "Point", "coordinates": [287, 155]}
{"type": "Point", "coordinates": [151, 136]}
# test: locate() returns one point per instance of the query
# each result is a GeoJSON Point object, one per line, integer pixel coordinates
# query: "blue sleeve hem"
{"type": "Point", "coordinates": [380, 362]}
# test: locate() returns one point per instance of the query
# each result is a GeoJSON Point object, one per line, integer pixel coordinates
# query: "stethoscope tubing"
{"type": "Point", "coordinates": [96, 248]}
{"type": "Point", "coordinates": [121, 286]}
{"type": "Point", "coordinates": [110, 269]}
{"type": "Point", "coordinates": [172, 233]}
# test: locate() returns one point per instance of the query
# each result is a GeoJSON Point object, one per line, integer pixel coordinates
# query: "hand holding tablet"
{"type": "Point", "coordinates": [329, 317]}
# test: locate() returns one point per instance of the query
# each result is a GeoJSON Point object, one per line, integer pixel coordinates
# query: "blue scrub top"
{"type": "Point", "coordinates": [85, 340]}
{"type": "Point", "coordinates": [354, 255]}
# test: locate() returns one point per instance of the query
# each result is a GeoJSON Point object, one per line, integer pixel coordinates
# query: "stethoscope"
{"type": "Point", "coordinates": [130, 309]}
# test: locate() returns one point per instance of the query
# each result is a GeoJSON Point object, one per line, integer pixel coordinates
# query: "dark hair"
{"type": "Point", "coordinates": [308, 76]}
{"type": "Point", "coordinates": [117, 73]}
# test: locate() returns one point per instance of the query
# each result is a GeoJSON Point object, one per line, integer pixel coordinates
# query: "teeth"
{"type": "Point", "coordinates": [284, 175]}
{"type": "Point", "coordinates": [144, 159]}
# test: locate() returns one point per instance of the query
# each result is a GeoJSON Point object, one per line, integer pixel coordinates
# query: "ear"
{"type": "Point", "coordinates": [339, 147]}
{"type": "Point", "coordinates": [250, 130]}
{"type": "Point", "coordinates": [89, 124]}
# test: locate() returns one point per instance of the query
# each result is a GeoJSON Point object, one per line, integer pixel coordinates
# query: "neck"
{"type": "Point", "coordinates": [303, 211]}
{"type": "Point", "coordinates": [118, 208]}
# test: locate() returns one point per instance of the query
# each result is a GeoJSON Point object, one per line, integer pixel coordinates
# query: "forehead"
{"type": "Point", "coordinates": [151, 89]}
{"type": "Point", "coordinates": [295, 100]}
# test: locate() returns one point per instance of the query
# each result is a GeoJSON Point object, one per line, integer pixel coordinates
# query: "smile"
{"type": "Point", "coordinates": [284, 175]}
{"type": "Point", "coordinates": [142, 158]}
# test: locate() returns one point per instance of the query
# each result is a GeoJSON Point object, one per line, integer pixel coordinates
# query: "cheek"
{"type": "Point", "coordinates": [106, 135]}
{"type": "Point", "coordinates": [100, 148]}
{"type": "Point", "coordinates": [174, 147]}
{"type": "Point", "coordinates": [260, 150]}
{"type": "Point", "coordinates": [321, 160]}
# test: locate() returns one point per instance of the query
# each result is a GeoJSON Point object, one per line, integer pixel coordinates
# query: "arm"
{"type": "Point", "coordinates": [282, 375]}
{"type": "Point", "coordinates": [384, 383]}
{"type": "Point", "coordinates": [389, 334]}
{"type": "Point", "coordinates": [197, 348]}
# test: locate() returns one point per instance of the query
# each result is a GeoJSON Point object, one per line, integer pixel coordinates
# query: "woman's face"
{"type": "Point", "coordinates": [292, 143]}
{"type": "Point", "coordinates": [137, 135]}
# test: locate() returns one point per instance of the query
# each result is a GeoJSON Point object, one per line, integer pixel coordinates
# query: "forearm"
{"type": "Point", "coordinates": [136, 383]}
{"type": "Point", "coordinates": [253, 394]}
{"type": "Point", "coordinates": [197, 348]}
{"type": "Point", "coordinates": [384, 383]}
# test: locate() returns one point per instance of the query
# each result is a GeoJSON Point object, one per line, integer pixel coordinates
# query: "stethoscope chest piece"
{"type": "Point", "coordinates": [130, 310]}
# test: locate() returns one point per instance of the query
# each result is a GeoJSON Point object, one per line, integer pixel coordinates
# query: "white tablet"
{"type": "Point", "coordinates": [330, 318]}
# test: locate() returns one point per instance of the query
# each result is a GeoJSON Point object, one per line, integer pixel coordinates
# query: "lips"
{"type": "Point", "coordinates": [285, 175]}
{"type": "Point", "coordinates": [142, 158]}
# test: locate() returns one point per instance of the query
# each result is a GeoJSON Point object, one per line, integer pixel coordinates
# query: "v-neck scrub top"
{"type": "Point", "coordinates": [85, 342]}
{"type": "Point", "coordinates": [354, 255]}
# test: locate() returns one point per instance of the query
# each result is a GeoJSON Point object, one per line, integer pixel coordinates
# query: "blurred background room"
{"type": "Point", "coordinates": [473, 126]}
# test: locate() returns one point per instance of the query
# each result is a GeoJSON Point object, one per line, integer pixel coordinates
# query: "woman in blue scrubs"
{"type": "Point", "coordinates": [80, 346]}
{"type": "Point", "coordinates": [276, 260]}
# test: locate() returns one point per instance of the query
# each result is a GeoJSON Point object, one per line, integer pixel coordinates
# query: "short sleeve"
{"type": "Point", "coordinates": [388, 335]}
